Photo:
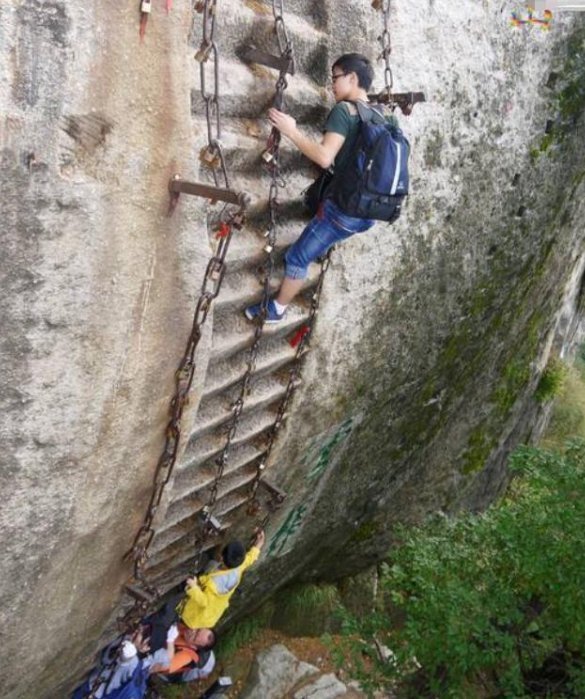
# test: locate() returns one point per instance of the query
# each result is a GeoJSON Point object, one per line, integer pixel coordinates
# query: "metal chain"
{"type": "Point", "coordinates": [272, 158]}
{"type": "Point", "coordinates": [294, 380]}
{"type": "Point", "coordinates": [208, 54]}
{"type": "Point", "coordinates": [230, 220]}
{"type": "Point", "coordinates": [385, 42]}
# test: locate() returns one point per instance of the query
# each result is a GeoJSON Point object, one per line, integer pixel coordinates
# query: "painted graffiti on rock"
{"type": "Point", "coordinates": [288, 528]}
{"type": "Point", "coordinates": [321, 456]}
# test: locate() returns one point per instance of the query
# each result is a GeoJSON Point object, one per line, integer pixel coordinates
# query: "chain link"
{"type": "Point", "coordinates": [294, 379]}
{"type": "Point", "coordinates": [208, 57]}
{"type": "Point", "coordinates": [232, 219]}
{"type": "Point", "coordinates": [385, 43]}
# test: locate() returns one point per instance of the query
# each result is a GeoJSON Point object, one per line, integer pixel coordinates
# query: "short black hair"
{"type": "Point", "coordinates": [358, 64]}
{"type": "Point", "coordinates": [234, 554]}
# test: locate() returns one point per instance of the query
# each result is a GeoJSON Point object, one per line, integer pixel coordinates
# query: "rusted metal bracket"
{"type": "Point", "coordinates": [139, 594]}
{"type": "Point", "coordinates": [277, 495]}
{"type": "Point", "coordinates": [280, 63]}
{"type": "Point", "coordinates": [404, 100]}
{"type": "Point", "coordinates": [178, 186]}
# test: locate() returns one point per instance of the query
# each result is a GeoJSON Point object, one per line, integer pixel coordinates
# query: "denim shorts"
{"type": "Point", "coordinates": [328, 227]}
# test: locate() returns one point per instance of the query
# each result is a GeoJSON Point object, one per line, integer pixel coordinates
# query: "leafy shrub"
{"type": "Point", "coordinates": [495, 599]}
{"type": "Point", "coordinates": [551, 381]}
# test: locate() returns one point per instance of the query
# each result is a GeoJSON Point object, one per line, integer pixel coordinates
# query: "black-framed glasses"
{"type": "Point", "coordinates": [336, 77]}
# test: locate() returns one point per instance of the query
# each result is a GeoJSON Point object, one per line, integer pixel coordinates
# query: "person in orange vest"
{"type": "Point", "coordinates": [208, 596]}
{"type": "Point", "coordinates": [185, 649]}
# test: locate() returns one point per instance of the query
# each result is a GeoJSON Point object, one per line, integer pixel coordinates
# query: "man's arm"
{"type": "Point", "coordinates": [194, 591]}
{"type": "Point", "coordinates": [321, 153]}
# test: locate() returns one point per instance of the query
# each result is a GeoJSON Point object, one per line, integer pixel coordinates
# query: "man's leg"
{"type": "Point", "coordinates": [317, 237]}
{"type": "Point", "coordinates": [289, 289]}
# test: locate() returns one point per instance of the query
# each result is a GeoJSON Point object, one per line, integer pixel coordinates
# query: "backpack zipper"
{"type": "Point", "coordinates": [397, 171]}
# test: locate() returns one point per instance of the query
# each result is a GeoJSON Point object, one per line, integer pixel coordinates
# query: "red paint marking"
{"type": "Point", "coordinates": [143, 21]}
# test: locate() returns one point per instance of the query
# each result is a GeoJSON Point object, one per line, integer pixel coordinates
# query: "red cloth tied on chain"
{"type": "Point", "coordinates": [223, 231]}
{"type": "Point", "coordinates": [298, 336]}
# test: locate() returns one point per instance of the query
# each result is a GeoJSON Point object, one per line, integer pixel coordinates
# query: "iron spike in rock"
{"type": "Point", "coordinates": [283, 64]}
{"type": "Point", "coordinates": [139, 594]}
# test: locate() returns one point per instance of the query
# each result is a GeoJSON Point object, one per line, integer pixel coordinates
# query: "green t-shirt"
{"type": "Point", "coordinates": [342, 122]}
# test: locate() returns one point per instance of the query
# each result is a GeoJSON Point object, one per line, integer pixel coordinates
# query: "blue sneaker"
{"type": "Point", "coordinates": [272, 315]}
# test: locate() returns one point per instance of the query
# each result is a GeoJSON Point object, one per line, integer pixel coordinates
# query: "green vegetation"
{"type": "Point", "coordinates": [569, 98]}
{"type": "Point", "coordinates": [244, 632]}
{"type": "Point", "coordinates": [551, 381]}
{"type": "Point", "coordinates": [488, 605]}
{"type": "Point", "coordinates": [306, 610]}
{"type": "Point", "coordinates": [568, 412]}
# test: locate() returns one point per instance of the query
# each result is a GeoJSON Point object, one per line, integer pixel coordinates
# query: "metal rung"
{"type": "Point", "coordinates": [405, 100]}
{"type": "Point", "coordinates": [254, 55]}
{"type": "Point", "coordinates": [179, 186]}
{"type": "Point", "coordinates": [139, 594]}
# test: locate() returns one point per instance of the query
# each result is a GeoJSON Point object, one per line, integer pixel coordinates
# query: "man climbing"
{"type": "Point", "coordinates": [351, 77]}
{"type": "Point", "coordinates": [208, 596]}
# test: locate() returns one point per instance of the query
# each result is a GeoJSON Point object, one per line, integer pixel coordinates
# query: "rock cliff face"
{"type": "Point", "coordinates": [428, 345]}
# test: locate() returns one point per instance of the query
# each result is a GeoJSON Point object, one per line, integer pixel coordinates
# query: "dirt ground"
{"type": "Point", "coordinates": [309, 649]}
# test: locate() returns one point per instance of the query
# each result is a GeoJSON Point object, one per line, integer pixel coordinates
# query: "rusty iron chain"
{"type": "Point", "coordinates": [294, 379]}
{"type": "Point", "coordinates": [271, 157]}
{"type": "Point", "coordinates": [385, 42]}
{"type": "Point", "coordinates": [208, 57]}
{"type": "Point", "coordinates": [146, 595]}
{"type": "Point", "coordinates": [232, 219]}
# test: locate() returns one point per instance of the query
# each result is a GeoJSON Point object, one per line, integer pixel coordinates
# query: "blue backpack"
{"type": "Point", "coordinates": [374, 181]}
{"type": "Point", "coordinates": [135, 688]}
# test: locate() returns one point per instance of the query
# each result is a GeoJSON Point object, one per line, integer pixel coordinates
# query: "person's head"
{"type": "Point", "coordinates": [351, 73]}
{"type": "Point", "coordinates": [204, 639]}
{"type": "Point", "coordinates": [233, 554]}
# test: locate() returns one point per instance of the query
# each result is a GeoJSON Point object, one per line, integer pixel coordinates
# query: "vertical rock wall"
{"type": "Point", "coordinates": [430, 338]}
{"type": "Point", "coordinates": [96, 297]}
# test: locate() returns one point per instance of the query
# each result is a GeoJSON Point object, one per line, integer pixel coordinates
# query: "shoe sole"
{"type": "Point", "coordinates": [251, 317]}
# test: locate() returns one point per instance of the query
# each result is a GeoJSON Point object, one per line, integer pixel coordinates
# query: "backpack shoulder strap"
{"type": "Point", "coordinates": [368, 112]}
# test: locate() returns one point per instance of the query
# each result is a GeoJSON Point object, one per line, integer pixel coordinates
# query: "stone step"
{"type": "Point", "coordinates": [247, 92]}
{"type": "Point", "coordinates": [190, 481]}
{"type": "Point", "coordinates": [180, 555]}
{"type": "Point", "coordinates": [272, 356]}
{"type": "Point", "coordinates": [216, 410]}
{"type": "Point", "coordinates": [233, 332]}
{"type": "Point", "coordinates": [243, 152]}
{"type": "Point", "coordinates": [247, 245]}
{"type": "Point", "coordinates": [242, 287]}
{"type": "Point", "coordinates": [182, 548]}
{"type": "Point", "coordinates": [252, 429]}
{"type": "Point", "coordinates": [186, 513]}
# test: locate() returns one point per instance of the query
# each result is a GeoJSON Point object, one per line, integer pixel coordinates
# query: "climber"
{"type": "Point", "coordinates": [351, 77]}
{"type": "Point", "coordinates": [128, 664]}
{"type": "Point", "coordinates": [208, 596]}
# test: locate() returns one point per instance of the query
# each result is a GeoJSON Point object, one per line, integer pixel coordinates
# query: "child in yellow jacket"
{"type": "Point", "coordinates": [208, 596]}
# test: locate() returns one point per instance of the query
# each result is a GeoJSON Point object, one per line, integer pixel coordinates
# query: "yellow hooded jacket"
{"type": "Point", "coordinates": [204, 605]}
